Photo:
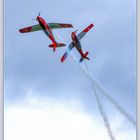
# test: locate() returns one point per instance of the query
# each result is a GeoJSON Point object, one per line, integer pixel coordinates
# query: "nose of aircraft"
{"type": "Point", "coordinates": [72, 35]}
{"type": "Point", "coordinates": [37, 18]}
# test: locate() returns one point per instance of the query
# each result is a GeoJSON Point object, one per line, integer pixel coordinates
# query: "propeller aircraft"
{"type": "Point", "coordinates": [47, 28]}
{"type": "Point", "coordinates": [76, 43]}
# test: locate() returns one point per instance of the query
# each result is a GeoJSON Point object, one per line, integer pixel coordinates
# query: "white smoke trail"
{"type": "Point", "coordinates": [103, 114]}
{"type": "Point", "coordinates": [100, 106]}
{"type": "Point", "coordinates": [102, 91]}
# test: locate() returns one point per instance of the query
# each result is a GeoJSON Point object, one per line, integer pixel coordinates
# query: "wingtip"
{"type": "Point", "coordinates": [25, 30]}
{"type": "Point", "coordinates": [69, 25]}
{"type": "Point", "coordinates": [62, 60]}
{"type": "Point", "coordinates": [91, 24]}
{"type": "Point", "coordinates": [88, 28]}
{"type": "Point", "coordinates": [20, 30]}
{"type": "Point", "coordinates": [72, 26]}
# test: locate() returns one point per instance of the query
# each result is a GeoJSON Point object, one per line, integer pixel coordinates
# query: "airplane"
{"type": "Point", "coordinates": [76, 43]}
{"type": "Point", "coordinates": [47, 28]}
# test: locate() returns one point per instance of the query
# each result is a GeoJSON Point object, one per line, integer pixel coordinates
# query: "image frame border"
{"type": "Point", "coordinates": [2, 69]}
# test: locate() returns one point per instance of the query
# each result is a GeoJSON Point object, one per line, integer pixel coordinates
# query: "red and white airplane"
{"type": "Point", "coordinates": [76, 43]}
{"type": "Point", "coordinates": [47, 28]}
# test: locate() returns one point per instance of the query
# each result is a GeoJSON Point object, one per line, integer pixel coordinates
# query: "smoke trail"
{"type": "Point", "coordinates": [102, 91]}
{"type": "Point", "coordinates": [103, 114]}
{"type": "Point", "coordinates": [100, 106]}
{"type": "Point", "coordinates": [116, 105]}
{"type": "Point", "coordinates": [95, 84]}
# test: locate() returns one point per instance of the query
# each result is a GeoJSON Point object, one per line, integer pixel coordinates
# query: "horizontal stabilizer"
{"type": "Point", "coordinates": [84, 57]}
{"type": "Point", "coordinates": [81, 59]}
{"type": "Point", "coordinates": [64, 57]}
{"type": "Point", "coordinates": [86, 54]}
{"type": "Point", "coordinates": [57, 45]}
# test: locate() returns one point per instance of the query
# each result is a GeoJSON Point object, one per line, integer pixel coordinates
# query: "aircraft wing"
{"type": "Point", "coordinates": [71, 46]}
{"type": "Point", "coordinates": [30, 29]}
{"type": "Point", "coordinates": [82, 34]}
{"type": "Point", "coordinates": [59, 25]}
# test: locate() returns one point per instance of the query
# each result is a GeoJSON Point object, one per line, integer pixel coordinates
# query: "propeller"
{"type": "Point", "coordinates": [75, 31]}
{"type": "Point", "coordinates": [37, 16]}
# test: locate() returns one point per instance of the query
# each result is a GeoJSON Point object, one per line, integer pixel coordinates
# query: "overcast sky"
{"type": "Point", "coordinates": [33, 72]}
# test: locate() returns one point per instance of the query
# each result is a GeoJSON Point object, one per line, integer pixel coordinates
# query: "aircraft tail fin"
{"type": "Point", "coordinates": [84, 57]}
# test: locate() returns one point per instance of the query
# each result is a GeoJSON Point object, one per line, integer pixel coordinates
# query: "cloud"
{"type": "Point", "coordinates": [111, 44]}
{"type": "Point", "coordinates": [51, 119]}
{"type": "Point", "coordinates": [29, 65]}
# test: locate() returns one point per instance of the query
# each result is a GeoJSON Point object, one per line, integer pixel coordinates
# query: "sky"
{"type": "Point", "coordinates": [43, 95]}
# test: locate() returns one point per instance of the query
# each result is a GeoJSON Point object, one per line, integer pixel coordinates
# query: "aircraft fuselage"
{"type": "Point", "coordinates": [77, 43]}
{"type": "Point", "coordinates": [46, 29]}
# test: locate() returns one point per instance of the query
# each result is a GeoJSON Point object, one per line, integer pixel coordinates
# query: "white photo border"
{"type": "Point", "coordinates": [1, 74]}
{"type": "Point", "coordinates": [138, 67]}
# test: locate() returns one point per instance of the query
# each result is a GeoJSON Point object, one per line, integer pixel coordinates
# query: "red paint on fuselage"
{"type": "Point", "coordinates": [75, 40]}
{"type": "Point", "coordinates": [46, 28]}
